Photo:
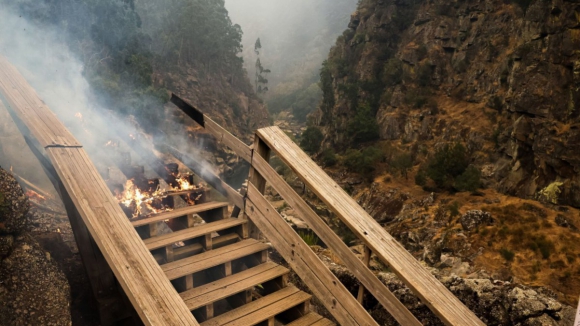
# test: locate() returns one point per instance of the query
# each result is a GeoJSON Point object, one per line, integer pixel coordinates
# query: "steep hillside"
{"type": "Point", "coordinates": [500, 77]}
{"type": "Point", "coordinates": [455, 125]}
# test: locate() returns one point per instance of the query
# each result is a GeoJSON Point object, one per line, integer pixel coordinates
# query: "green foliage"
{"type": "Point", "coordinates": [326, 87]}
{"type": "Point", "coordinates": [311, 139]}
{"type": "Point", "coordinates": [393, 72]}
{"type": "Point", "coordinates": [453, 209]}
{"type": "Point", "coordinates": [507, 254]}
{"type": "Point", "coordinates": [544, 245]}
{"type": "Point", "coordinates": [421, 178]}
{"type": "Point", "coordinates": [363, 162]}
{"type": "Point", "coordinates": [309, 237]}
{"type": "Point", "coordinates": [402, 163]}
{"type": "Point", "coordinates": [328, 157]}
{"type": "Point", "coordinates": [469, 180]}
{"type": "Point", "coordinates": [551, 192]}
{"type": "Point", "coordinates": [448, 163]}
{"type": "Point", "coordinates": [279, 166]}
{"type": "Point", "coordinates": [301, 102]}
{"type": "Point", "coordinates": [424, 75]}
{"type": "Point", "coordinates": [364, 126]}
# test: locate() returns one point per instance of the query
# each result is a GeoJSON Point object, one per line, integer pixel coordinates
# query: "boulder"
{"type": "Point", "coordinates": [474, 218]}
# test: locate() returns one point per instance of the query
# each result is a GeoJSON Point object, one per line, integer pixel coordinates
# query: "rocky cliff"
{"type": "Point", "coordinates": [501, 77]}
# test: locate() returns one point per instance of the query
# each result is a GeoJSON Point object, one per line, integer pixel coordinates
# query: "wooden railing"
{"type": "Point", "coordinates": [340, 303]}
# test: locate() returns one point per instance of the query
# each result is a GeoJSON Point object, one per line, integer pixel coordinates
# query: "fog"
{"type": "Point", "coordinates": [296, 36]}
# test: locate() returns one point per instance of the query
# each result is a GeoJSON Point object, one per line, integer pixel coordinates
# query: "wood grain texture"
{"type": "Point", "coordinates": [334, 242]}
{"type": "Point", "coordinates": [319, 279]}
{"type": "Point", "coordinates": [23, 100]}
{"type": "Point", "coordinates": [196, 209]}
{"type": "Point", "coordinates": [436, 296]}
{"type": "Point", "coordinates": [149, 291]}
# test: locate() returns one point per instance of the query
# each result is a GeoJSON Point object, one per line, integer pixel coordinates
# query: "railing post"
{"type": "Point", "coordinates": [256, 179]}
{"type": "Point", "coordinates": [366, 261]}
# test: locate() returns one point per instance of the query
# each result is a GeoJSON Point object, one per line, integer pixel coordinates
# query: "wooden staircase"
{"type": "Point", "coordinates": [224, 277]}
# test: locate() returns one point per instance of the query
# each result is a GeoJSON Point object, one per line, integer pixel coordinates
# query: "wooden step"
{"type": "Point", "coordinates": [192, 233]}
{"type": "Point", "coordinates": [212, 258]}
{"type": "Point", "coordinates": [196, 248]}
{"type": "Point", "coordinates": [196, 209]}
{"type": "Point", "coordinates": [311, 319]}
{"type": "Point", "coordinates": [228, 286]}
{"type": "Point", "coordinates": [262, 309]}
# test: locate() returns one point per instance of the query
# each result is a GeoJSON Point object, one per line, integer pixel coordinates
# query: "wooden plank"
{"type": "Point", "coordinates": [221, 135]}
{"type": "Point", "coordinates": [306, 320]}
{"type": "Point", "coordinates": [366, 261]}
{"type": "Point", "coordinates": [191, 233]}
{"type": "Point", "coordinates": [212, 258]}
{"type": "Point", "coordinates": [196, 209]}
{"type": "Point", "coordinates": [319, 279]}
{"type": "Point", "coordinates": [263, 152]}
{"type": "Point", "coordinates": [152, 295]}
{"type": "Point", "coordinates": [438, 298]}
{"type": "Point", "coordinates": [231, 285]}
{"type": "Point", "coordinates": [202, 169]}
{"type": "Point", "coordinates": [24, 101]}
{"type": "Point", "coordinates": [261, 309]}
{"type": "Point", "coordinates": [137, 272]}
{"type": "Point", "coordinates": [324, 232]}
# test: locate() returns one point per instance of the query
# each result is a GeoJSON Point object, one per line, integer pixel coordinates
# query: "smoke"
{"type": "Point", "coordinates": [43, 57]}
{"type": "Point", "coordinates": [296, 35]}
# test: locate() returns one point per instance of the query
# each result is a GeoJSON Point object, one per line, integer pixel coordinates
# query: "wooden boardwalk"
{"type": "Point", "coordinates": [221, 276]}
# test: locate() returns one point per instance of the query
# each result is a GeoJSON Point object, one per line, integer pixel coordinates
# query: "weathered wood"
{"type": "Point", "coordinates": [436, 296]}
{"type": "Point", "coordinates": [366, 261]}
{"type": "Point", "coordinates": [319, 279]}
{"type": "Point", "coordinates": [212, 258]}
{"type": "Point", "coordinates": [262, 151]}
{"type": "Point", "coordinates": [261, 309]}
{"type": "Point", "coordinates": [22, 99]}
{"type": "Point", "coordinates": [333, 241]}
{"type": "Point", "coordinates": [196, 209]}
{"type": "Point", "coordinates": [221, 135]}
{"type": "Point", "coordinates": [231, 285]}
{"type": "Point", "coordinates": [151, 294]}
{"type": "Point", "coordinates": [203, 170]}
{"type": "Point", "coordinates": [191, 233]}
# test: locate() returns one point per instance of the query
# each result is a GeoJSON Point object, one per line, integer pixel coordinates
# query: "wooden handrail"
{"type": "Point", "coordinates": [151, 294]}
{"type": "Point", "coordinates": [221, 135]}
{"type": "Point", "coordinates": [324, 232]}
{"type": "Point", "coordinates": [319, 279]}
{"type": "Point", "coordinates": [436, 296]}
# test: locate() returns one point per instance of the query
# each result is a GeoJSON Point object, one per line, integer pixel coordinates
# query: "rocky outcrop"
{"type": "Point", "coordinates": [474, 218]}
{"type": "Point", "coordinates": [431, 69]}
{"type": "Point", "coordinates": [33, 291]}
{"type": "Point", "coordinates": [494, 302]}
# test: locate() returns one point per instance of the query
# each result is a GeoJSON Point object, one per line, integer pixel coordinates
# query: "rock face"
{"type": "Point", "coordinates": [33, 291]}
{"type": "Point", "coordinates": [474, 218]}
{"type": "Point", "coordinates": [428, 69]}
{"type": "Point", "coordinates": [494, 302]}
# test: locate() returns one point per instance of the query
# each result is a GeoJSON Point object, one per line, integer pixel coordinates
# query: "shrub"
{"type": "Point", "coordinates": [309, 237]}
{"type": "Point", "coordinates": [551, 192]}
{"type": "Point", "coordinates": [507, 254]}
{"type": "Point", "coordinates": [402, 163]}
{"type": "Point", "coordinates": [393, 72]}
{"type": "Point", "coordinates": [469, 180]}
{"type": "Point", "coordinates": [311, 139]}
{"type": "Point", "coordinates": [363, 162]}
{"type": "Point", "coordinates": [328, 157]}
{"type": "Point", "coordinates": [421, 178]}
{"type": "Point", "coordinates": [364, 126]}
{"type": "Point", "coordinates": [453, 209]}
{"type": "Point", "coordinates": [447, 163]}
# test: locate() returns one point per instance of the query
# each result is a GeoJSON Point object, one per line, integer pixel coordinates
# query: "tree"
{"type": "Point", "coordinates": [447, 163]}
{"type": "Point", "coordinates": [311, 140]}
{"type": "Point", "coordinates": [363, 126]}
{"type": "Point", "coordinates": [469, 180]}
{"type": "Point", "coordinates": [402, 163]}
{"type": "Point", "coordinates": [260, 81]}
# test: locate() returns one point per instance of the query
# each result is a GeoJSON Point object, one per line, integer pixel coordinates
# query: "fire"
{"type": "Point", "coordinates": [141, 202]}
{"type": "Point", "coordinates": [183, 183]}
{"type": "Point", "coordinates": [31, 194]}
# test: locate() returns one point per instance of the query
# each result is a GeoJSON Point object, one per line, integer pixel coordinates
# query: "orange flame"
{"type": "Point", "coordinates": [31, 194]}
{"type": "Point", "coordinates": [142, 202]}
